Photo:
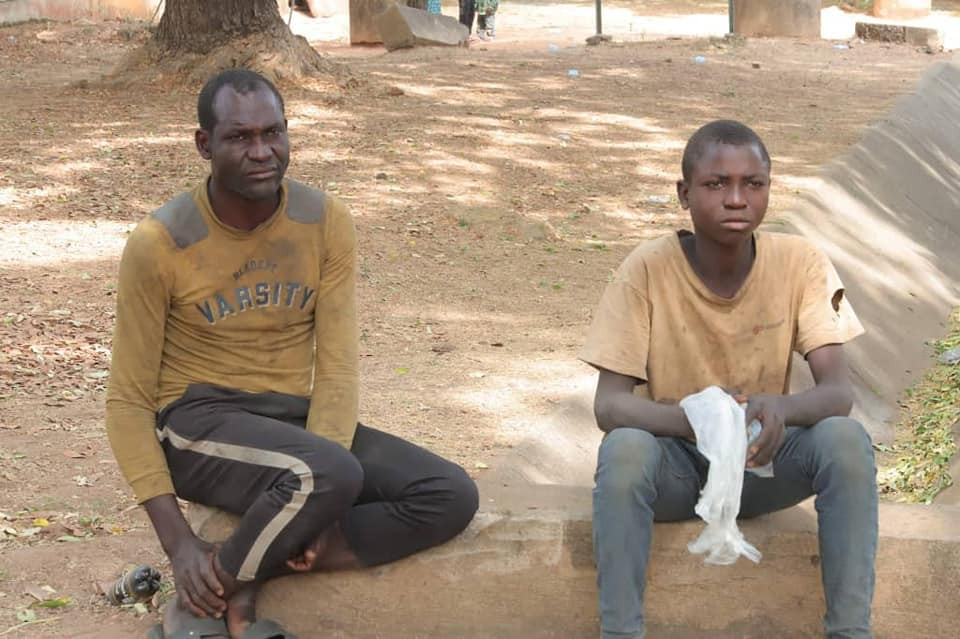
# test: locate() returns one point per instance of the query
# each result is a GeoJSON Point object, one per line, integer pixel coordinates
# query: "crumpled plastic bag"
{"type": "Point", "coordinates": [718, 422]}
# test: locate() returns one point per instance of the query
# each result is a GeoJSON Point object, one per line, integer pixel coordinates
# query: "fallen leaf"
{"type": "Point", "coordinates": [41, 522]}
{"type": "Point", "coordinates": [59, 602]}
{"type": "Point", "coordinates": [480, 466]}
{"type": "Point", "coordinates": [55, 529]}
{"type": "Point", "coordinates": [72, 454]}
{"type": "Point", "coordinates": [6, 426]}
{"type": "Point", "coordinates": [401, 371]}
{"type": "Point", "coordinates": [26, 616]}
{"type": "Point", "coordinates": [140, 609]}
{"type": "Point", "coordinates": [70, 538]}
{"type": "Point", "coordinates": [39, 593]}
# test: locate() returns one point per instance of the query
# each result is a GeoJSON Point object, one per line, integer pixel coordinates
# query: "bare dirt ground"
{"type": "Point", "coordinates": [493, 195]}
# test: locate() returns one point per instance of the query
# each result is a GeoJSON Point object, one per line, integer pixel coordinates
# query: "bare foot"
{"type": "Point", "coordinates": [329, 551]}
{"type": "Point", "coordinates": [242, 608]}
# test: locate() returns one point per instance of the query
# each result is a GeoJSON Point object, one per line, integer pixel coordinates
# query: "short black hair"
{"type": "Point", "coordinates": [240, 80]}
{"type": "Point", "coordinates": [720, 132]}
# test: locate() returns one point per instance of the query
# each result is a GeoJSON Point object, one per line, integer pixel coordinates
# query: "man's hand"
{"type": "Point", "coordinates": [198, 587]}
{"type": "Point", "coordinates": [771, 411]}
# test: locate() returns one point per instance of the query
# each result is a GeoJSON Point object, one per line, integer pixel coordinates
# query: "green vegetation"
{"type": "Point", "coordinates": [931, 409]}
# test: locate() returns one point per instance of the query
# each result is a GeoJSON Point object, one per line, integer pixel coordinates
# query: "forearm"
{"type": "Point", "coordinates": [820, 402]}
{"type": "Point", "coordinates": [131, 432]}
{"type": "Point", "coordinates": [334, 400]}
{"type": "Point", "coordinates": [334, 407]}
{"type": "Point", "coordinates": [625, 410]}
{"type": "Point", "coordinates": [168, 522]}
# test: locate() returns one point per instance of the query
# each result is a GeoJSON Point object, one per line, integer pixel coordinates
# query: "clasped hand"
{"type": "Point", "coordinates": [198, 586]}
{"type": "Point", "coordinates": [771, 412]}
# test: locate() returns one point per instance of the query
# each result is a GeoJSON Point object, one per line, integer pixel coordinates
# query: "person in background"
{"type": "Point", "coordinates": [467, 12]}
{"type": "Point", "coordinates": [486, 18]}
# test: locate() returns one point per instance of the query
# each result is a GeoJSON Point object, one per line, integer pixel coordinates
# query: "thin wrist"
{"type": "Point", "coordinates": [169, 523]}
{"type": "Point", "coordinates": [685, 429]}
{"type": "Point", "coordinates": [789, 416]}
{"type": "Point", "coordinates": [173, 543]}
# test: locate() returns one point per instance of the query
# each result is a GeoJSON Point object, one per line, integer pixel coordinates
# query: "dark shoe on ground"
{"type": "Point", "coordinates": [266, 629]}
{"type": "Point", "coordinates": [196, 629]}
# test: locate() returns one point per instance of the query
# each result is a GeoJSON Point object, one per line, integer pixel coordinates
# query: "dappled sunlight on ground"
{"type": "Point", "coordinates": [60, 241]}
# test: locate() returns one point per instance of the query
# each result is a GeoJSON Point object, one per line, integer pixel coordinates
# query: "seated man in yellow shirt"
{"type": "Point", "coordinates": [234, 381]}
{"type": "Point", "coordinates": [727, 305]}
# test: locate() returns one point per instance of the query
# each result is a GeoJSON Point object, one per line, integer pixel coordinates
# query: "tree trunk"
{"type": "Point", "coordinates": [197, 38]}
{"type": "Point", "coordinates": [198, 26]}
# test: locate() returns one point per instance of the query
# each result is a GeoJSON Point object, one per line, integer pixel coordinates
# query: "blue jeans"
{"type": "Point", "coordinates": [642, 478]}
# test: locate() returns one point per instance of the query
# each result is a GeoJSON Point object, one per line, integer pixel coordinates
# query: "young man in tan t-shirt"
{"type": "Point", "coordinates": [726, 306]}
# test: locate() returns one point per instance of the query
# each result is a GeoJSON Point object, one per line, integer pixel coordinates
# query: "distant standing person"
{"type": "Point", "coordinates": [486, 15]}
{"type": "Point", "coordinates": [467, 12]}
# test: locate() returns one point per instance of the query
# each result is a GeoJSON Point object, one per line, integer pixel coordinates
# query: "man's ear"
{"type": "Point", "coordinates": [683, 190]}
{"type": "Point", "coordinates": [202, 140]}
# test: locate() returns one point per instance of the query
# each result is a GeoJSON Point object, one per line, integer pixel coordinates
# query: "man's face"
{"type": "Point", "coordinates": [727, 193]}
{"type": "Point", "coordinates": [248, 148]}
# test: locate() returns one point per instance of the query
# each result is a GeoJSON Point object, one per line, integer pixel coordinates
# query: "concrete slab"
{"type": "Point", "coordinates": [785, 18]}
{"type": "Point", "coordinates": [402, 27]}
{"type": "Point", "coordinates": [363, 29]}
{"type": "Point", "coordinates": [887, 32]}
{"type": "Point", "coordinates": [886, 214]}
{"type": "Point", "coordinates": [524, 569]}
{"type": "Point", "coordinates": [12, 11]}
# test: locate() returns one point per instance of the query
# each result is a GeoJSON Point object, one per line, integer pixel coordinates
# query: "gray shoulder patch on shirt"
{"type": "Point", "coordinates": [305, 204]}
{"type": "Point", "coordinates": [183, 221]}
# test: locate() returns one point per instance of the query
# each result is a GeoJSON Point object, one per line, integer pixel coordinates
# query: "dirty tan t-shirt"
{"type": "Point", "coordinates": [658, 321]}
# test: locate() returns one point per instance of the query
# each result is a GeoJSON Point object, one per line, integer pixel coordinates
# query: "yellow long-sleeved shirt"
{"type": "Point", "coordinates": [272, 309]}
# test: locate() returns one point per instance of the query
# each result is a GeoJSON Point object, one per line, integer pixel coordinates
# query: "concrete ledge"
{"type": "Point", "coordinates": [524, 569]}
{"type": "Point", "coordinates": [12, 11]}
{"type": "Point", "coordinates": [915, 36]}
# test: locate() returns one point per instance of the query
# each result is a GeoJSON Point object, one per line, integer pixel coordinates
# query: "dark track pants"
{"type": "Point", "coordinates": [249, 454]}
{"type": "Point", "coordinates": [467, 11]}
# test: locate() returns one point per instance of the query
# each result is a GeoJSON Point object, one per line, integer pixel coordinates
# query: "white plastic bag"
{"type": "Point", "coordinates": [718, 422]}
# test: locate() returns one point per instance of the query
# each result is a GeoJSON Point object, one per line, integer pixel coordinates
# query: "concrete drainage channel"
{"type": "Point", "coordinates": [886, 213]}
